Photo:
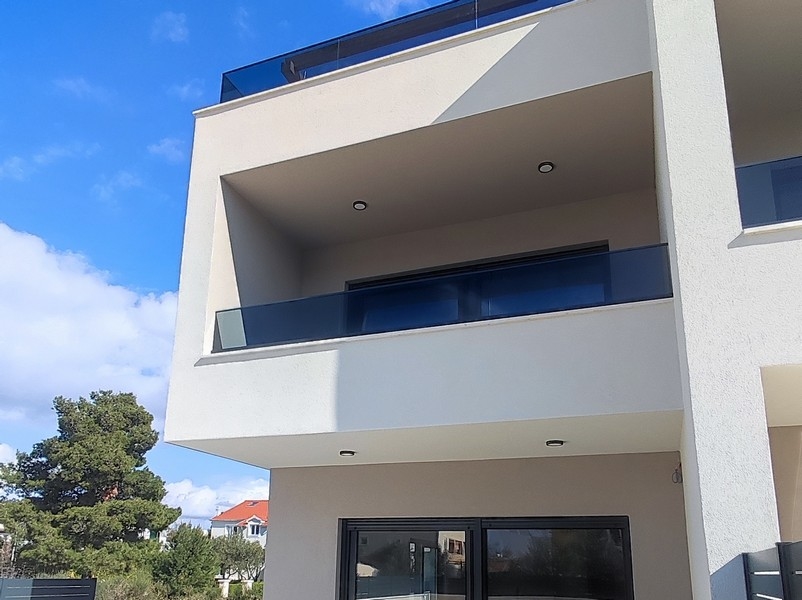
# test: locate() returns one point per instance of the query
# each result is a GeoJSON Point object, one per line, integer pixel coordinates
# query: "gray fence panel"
{"type": "Point", "coordinates": [791, 567]}
{"type": "Point", "coordinates": [763, 577]}
{"type": "Point", "coordinates": [47, 589]}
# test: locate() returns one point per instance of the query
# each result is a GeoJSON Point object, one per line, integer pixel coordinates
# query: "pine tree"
{"type": "Point", "coordinates": [86, 492]}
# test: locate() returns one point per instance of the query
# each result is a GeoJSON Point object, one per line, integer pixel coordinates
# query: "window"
{"type": "Point", "coordinates": [486, 559]}
{"type": "Point", "coordinates": [254, 529]}
{"type": "Point", "coordinates": [503, 287]}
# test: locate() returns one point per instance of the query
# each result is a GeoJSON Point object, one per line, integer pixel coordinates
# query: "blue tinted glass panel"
{"type": "Point", "coordinates": [770, 192]}
{"type": "Point", "coordinates": [496, 11]}
{"type": "Point", "coordinates": [598, 279]}
{"type": "Point", "coordinates": [786, 181]}
{"type": "Point", "coordinates": [545, 287]}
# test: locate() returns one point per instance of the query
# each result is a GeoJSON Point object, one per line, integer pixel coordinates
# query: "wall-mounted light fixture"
{"type": "Point", "coordinates": [546, 167]}
{"type": "Point", "coordinates": [347, 453]}
{"type": "Point", "coordinates": [555, 443]}
{"type": "Point", "coordinates": [360, 205]}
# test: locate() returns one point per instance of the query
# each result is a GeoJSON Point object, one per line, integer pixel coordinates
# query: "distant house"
{"type": "Point", "coordinates": [248, 518]}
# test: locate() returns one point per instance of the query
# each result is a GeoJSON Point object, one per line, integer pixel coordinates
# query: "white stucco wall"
{"type": "Point", "coordinates": [266, 263]}
{"type": "Point", "coordinates": [734, 309]}
{"type": "Point", "coordinates": [737, 305]}
{"type": "Point", "coordinates": [441, 81]}
{"type": "Point", "coordinates": [769, 260]}
{"type": "Point", "coordinates": [304, 521]}
{"type": "Point", "coordinates": [625, 220]}
{"type": "Point", "coordinates": [604, 361]}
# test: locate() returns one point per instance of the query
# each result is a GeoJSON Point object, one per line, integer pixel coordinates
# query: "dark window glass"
{"type": "Point", "coordinates": [504, 288]}
{"type": "Point", "coordinates": [411, 564]}
{"type": "Point", "coordinates": [546, 286]}
{"type": "Point", "coordinates": [406, 307]}
{"type": "Point", "coordinates": [556, 563]}
{"type": "Point", "coordinates": [571, 558]}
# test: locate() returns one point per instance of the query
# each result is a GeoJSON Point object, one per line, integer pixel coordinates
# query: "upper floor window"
{"type": "Point", "coordinates": [770, 192]}
{"type": "Point", "coordinates": [255, 529]}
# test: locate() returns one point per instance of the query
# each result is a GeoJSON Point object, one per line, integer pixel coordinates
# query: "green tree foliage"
{"type": "Point", "coordinates": [81, 500]}
{"type": "Point", "coordinates": [239, 557]}
{"type": "Point", "coordinates": [38, 546]}
{"type": "Point", "coordinates": [238, 592]}
{"type": "Point", "coordinates": [136, 585]}
{"type": "Point", "coordinates": [189, 563]}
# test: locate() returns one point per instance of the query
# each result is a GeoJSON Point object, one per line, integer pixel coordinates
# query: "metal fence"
{"type": "Point", "coordinates": [44, 589]}
{"type": "Point", "coordinates": [775, 573]}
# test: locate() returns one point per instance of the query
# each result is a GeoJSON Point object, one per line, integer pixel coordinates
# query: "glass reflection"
{"type": "Point", "coordinates": [547, 564]}
{"type": "Point", "coordinates": [414, 565]}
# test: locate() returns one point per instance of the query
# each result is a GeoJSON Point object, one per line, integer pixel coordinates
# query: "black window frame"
{"type": "Point", "coordinates": [476, 555]}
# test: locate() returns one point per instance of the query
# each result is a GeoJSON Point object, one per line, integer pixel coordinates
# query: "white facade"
{"type": "Point", "coordinates": [646, 107]}
{"type": "Point", "coordinates": [252, 530]}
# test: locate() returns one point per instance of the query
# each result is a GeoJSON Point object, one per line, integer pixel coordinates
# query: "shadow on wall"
{"type": "Point", "coordinates": [566, 50]}
{"type": "Point", "coordinates": [266, 263]}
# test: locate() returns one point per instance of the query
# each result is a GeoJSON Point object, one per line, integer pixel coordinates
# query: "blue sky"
{"type": "Point", "coordinates": [95, 138]}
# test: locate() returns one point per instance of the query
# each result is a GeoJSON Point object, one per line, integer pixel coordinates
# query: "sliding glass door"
{"type": "Point", "coordinates": [486, 559]}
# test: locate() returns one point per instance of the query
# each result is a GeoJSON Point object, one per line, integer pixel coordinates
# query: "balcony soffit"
{"type": "Point", "coordinates": [600, 138]}
{"type": "Point", "coordinates": [761, 46]}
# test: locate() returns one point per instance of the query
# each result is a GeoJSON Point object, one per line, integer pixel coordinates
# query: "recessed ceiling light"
{"type": "Point", "coordinates": [360, 205]}
{"type": "Point", "coordinates": [555, 443]}
{"type": "Point", "coordinates": [546, 167]}
{"type": "Point", "coordinates": [347, 453]}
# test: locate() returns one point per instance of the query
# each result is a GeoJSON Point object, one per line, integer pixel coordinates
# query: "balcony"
{"type": "Point", "coordinates": [462, 294]}
{"type": "Point", "coordinates": [417, 29]}
{"type": "Point", "coordinates": [770, 192]}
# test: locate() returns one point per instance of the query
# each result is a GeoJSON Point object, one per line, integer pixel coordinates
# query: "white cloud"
{"type": "Point", "coordinates": [54, 152]}
{"type": "Point", "coordinates": [203, 502]}
{"type": "Point", "coordinates": [80, 88]}
{"type": "Point", "coordinates": [191, 90]}
{"type": "Point", "coordinates": [108, 187]}
{"type": "Point", "coordinates": [7, 454]}
{"type": "Point", "coordinates": [21, 168]}
{"type": "Point", "coordinates": [68, 331]}
{"type": "Point", "coordinates": [171, 149]}
{"type": "Point", "coordinates": [243, 23]}
{"type": "Point", "coordinates": [14, 167]}
{"type": "Point", "coordinates": [387, 9]}
{"type": "Point", "coordinates": [170, 26]}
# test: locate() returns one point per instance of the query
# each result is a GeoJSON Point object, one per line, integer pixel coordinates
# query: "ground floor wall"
{"type": "Point", "coordinates": [307, 503]}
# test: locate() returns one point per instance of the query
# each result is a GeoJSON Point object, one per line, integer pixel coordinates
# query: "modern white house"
{"type": "Point", "coordinates": [249, 519]}
{"type": "Point", "coordinates": [511, 293]}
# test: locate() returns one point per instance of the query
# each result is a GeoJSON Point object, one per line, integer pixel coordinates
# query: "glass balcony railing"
{"type": "Point", "coordinates": [537, 286]}
{"type": "Point", "coordinates": [770, 192]}
{"type": "Point", "coordinates": [436, 23]}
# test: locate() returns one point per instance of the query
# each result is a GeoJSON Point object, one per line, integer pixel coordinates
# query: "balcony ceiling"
{"type": "Point", "coordinates": [631, 433]}
{"type": "Point", "coordinates": [600, 138]}
{"type": "Point", "coordinates": [761, 46]}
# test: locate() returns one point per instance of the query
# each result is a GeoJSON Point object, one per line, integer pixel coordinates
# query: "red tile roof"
{"type": "Point", "coordinates": [244, 511]}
